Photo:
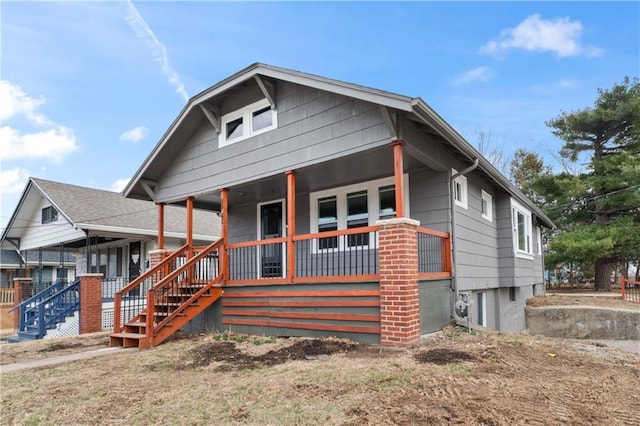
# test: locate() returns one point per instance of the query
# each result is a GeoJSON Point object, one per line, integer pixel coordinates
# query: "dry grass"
{"type": "Point", "coordinates": [582, 299]}
{"type": "Point", "coordinates": [454, 378]}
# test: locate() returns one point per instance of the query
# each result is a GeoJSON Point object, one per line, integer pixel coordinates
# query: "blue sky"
{"type": "Point", "coordinates": [88, 88]}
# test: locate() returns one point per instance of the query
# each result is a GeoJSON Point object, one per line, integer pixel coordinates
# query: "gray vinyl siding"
{"type": "Point", "coordinates": [476, 242]}
{"type": "Point", "coordinates": [313, 127]}
{"type": "Point", "coordinates": [429, 195]}
{"type": "Point", "coordinates": [38, 235]}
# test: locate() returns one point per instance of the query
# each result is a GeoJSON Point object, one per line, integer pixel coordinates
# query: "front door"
{"type": "Point", "coordinates": [270, 216]}
{"type": "Point", "coordinates": [134, 260]}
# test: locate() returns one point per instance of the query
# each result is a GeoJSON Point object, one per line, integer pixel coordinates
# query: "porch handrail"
{"type": "Point", "coordinates": [433, 232]}
{"type": "Point", "coordinates": [42, 294]}
{"type": "Point", "coordinates": [195, 259]}
{"type": "Point", "coordinates": [257, 243]}
{"type": "Point", "coordinates": [337, 233]}
{"type": "Point", "coordinates": [135, 302]}
{"type": "Point", "coordinates": [153, 270]}
{"type": "Point", "coordinates": [167, 284]}
{"type": "Point", "coordinates": [431, 266]}
{"type": "Point", "coordinates": [58, 305]}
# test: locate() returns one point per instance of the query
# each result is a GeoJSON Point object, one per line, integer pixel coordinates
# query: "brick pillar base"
{"type": "Point", "coordinates": [22, 288]}
{"type": "Point", "coordinates": [90, 303]}
{"type": "Point", "coordinates": [399, 298]}
{"type": "Point", "coordinates": [155, 257]}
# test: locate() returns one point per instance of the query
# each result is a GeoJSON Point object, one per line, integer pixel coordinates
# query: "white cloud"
{"type": "Point", "coordinates": [134, 135]}
{"type": "Point", "coordinates": [158, 50]}
{"type": "Point", "coordinates": [120, 184]}
{"type": "Point", "coordinates": [476, 74]}
{"type": "Point", "coordinates": [560, 36]}
{"type": "Point", "coordinates": [13, 101]}
{"type": "Point", "coordinates": [13, 181]}
{"type": "Point", "coordinates": [53, 142]}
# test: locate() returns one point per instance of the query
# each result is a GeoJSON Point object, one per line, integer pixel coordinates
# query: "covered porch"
{"type": "Point", "coordinates": [281, 274]}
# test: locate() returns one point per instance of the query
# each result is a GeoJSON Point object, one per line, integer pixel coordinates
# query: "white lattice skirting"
{"type": "Point", "coordinates": [71, 325]}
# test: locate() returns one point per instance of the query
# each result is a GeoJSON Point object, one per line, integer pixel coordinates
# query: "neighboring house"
{"type": "Point", "coordinates": [105, 232]}
{"type": "Point", "coordinates": [310, 175]}
{"type": "Point", "coordinates": [41, 265]}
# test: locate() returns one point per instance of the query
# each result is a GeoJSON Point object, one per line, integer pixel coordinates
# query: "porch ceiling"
{"type": "Point", "coordinates": [360, 167]}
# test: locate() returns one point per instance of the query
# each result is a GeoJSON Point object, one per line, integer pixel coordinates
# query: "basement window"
{"type": "Point", "coordinates": [259, 117]}
{"type": "Point", "coordinates": [49, 214]}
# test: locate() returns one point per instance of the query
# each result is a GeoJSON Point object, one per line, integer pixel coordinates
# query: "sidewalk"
{"type": "Point", "coordinates": [45, 362]}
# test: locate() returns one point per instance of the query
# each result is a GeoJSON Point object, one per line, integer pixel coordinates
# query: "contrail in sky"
{"type": "Point", "coordinates": [158, 50]}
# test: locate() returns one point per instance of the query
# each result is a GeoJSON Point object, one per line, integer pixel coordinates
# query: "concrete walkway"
{"type": "Point", "coordinates": [45, 362]}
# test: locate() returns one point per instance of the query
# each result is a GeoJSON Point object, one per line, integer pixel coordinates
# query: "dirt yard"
{"type": "Point", "coordinates": [450, 378]}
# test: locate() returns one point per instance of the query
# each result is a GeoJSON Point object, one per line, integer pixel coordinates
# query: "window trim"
{"type": "Point", "coordinates": [488, 199]}
{"type": "Point", "coordinates": [539, 237]}
{"type": "Point", "coordinates": [52, 215]}
{"type": "Point", "coordinates": [464, 190]}
{"type": "Point", "coordinates": [516, 208]}
{"type": "Point", "coordinates": [481, 297]}
{"type": "Point", "coordinates": [373, 205]}
{"type": "Point", "coordinates": [246, 113]}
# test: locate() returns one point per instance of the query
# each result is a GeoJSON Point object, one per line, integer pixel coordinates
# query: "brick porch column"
{"type": "Point", "coordinates": [399, 298]}
{"type": "Point", "coordinates": [155, 257]}
{"type": "Point", "coordinates": [90, 303]}
{"type": "Point", "coordinates": [22, 288]}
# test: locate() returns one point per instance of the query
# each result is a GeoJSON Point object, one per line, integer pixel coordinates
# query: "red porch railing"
{"type": "Point", "coordinates": [334, 256]}
{"type": "Point", "coordinates": [630, 290]}
{"type": "Point", "coordinates": [434, 254]}
{"type": "Point", "coordinates": [345, 255]}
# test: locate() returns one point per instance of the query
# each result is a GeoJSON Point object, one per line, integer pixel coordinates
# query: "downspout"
{"type": "Point", "coordinates": [454, 245]}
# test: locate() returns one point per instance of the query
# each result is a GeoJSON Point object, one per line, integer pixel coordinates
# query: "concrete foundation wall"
{"type": "Point", "coordinates": [583, 322]}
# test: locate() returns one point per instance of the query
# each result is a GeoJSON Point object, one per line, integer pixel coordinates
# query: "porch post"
{"type": "Point", "coordinates": [190, 227]}
{"type": "Point", "coordinates": [160, 226]}
{"type": "Point", "coordinates": [224, 212]}
{"type": "Point", "coordinates": [291, 224]}
{"type": "Point", "coordinates": [399, 292]}
{"type": "Point", "coordinates": [398, 169]}
{"type": "Point", "coordinates": [90, 303]}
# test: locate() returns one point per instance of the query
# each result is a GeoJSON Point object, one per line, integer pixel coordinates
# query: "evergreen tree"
{"type": "Point", "coordinates": [600, 209]}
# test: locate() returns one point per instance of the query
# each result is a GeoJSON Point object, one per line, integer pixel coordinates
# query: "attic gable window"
{"type": "Point", "coordinates": [259, 117]}
{"type": "Point", "coordinates": [49, 214]}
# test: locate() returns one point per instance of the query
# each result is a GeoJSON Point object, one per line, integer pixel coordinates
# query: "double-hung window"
{"type": "Point", "coordinates": [49, 214]}
{"type": "Point", "coordinates": [351, 207]}
{"type": "Point", "coordinates": [486, 206]}
{"type": "Point", "coordinates": [522, 232]}
{"type": "Point", "coordinates": [460, 190]}
{"type": "Point", "coordinates": [249, 121]}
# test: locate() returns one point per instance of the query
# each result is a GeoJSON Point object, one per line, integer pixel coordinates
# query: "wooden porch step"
{"type": "Point", "coordinates": [126, 340]}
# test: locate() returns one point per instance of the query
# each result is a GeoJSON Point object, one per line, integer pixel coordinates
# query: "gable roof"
{"type": "Point", "coordinates": [415, 107]}
{"type": "Point", "coordinates": [106, 211]}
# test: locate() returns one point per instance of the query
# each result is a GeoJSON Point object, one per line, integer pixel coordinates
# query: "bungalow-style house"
{"type": "Point", "coordinates": [345, 210]}
{"type": "Point", "coordinates": [105, 232]}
